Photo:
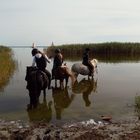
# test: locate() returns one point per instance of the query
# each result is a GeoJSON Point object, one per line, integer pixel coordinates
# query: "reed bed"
{"type": "Point", "coordinates": [7, 65]}
{"type": "Point", "coordinates": [110, 52]}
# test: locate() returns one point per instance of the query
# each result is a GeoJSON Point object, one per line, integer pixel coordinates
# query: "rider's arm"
{"type": "Point", "coordinates": [47, 59]}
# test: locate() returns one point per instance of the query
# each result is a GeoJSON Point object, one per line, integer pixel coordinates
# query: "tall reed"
{"type": "Point", "coordinates": [7, 65]}
{"type": "Point", "coordinates": [102, 51]}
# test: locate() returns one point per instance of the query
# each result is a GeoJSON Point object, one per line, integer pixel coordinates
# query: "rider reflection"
{"type": "Point", "coordinates": [85, 87]}
{"type": "Point", "coordinates": [62, 100]}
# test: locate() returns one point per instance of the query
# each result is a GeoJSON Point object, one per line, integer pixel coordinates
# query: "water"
{"type": "Point", "coordinates": [112, 92]}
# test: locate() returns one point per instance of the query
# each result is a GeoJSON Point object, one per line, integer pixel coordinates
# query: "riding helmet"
{"type": "Point", "coordinates": [34, 52]}
{"type": "Point", "coordinates": [57, 50]}
{"type": "Point", "coordinates": [87, 49]}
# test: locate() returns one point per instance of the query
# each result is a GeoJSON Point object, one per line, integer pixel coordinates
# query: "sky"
{"type": "Point", "coordinates": [23, 22]}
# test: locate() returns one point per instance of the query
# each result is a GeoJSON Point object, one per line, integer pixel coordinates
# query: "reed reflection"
{"type": "Point", "coordinates": [85, 87]}
{"type": "Point", "coordinates": [62, 99]}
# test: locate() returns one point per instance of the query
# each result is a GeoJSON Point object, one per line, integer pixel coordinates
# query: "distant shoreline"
{"type": "Point", "coordinates": [69, 44]}
{"type": "Point", "coordinates": [26, 46]}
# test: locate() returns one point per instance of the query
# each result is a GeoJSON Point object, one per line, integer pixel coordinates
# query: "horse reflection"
{"type": "Point", "coordinates": [85, 87]}
{"type": "Point", "coordinates": [61, 99]}
{"type": "Point", "coordinates": [36, 81]}
{"type": "Point", "coordinates": [62, 73]}
{"type": "Point", "coordinates": [42, 113]}
{"type": "Point", "coordinates": [79, 68]}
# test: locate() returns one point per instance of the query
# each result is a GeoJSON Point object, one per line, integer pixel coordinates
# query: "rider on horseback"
{"type": "Point", "coordinates": [58, 60]}
{"type": "Point", "coordinates": [87, 62]}
{"type": "Point", "coordinates": [41, 60]}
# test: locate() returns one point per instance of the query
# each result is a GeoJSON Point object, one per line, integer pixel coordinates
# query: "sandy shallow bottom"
{"type": "Point", "coordinates": [101, 130]}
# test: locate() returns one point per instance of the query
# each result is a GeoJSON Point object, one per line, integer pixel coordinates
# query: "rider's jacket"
{"type": "Point", "coordinates": [85, 58]}
{"type": "Point", "coordinates": [58, 60]}
{"type": "Point", "coordinates": [41, 62]}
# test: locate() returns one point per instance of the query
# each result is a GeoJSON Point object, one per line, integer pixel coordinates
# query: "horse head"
{"type": "Point", "coordinates": [29, 70]}
{"type": "Point", "coordinates": [94, 62]}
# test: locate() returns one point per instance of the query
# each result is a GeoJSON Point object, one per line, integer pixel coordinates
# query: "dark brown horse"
{"type": "Point", "coordinates": [62, 73]}
{"type": "Point", "coordinates": [36, 81]}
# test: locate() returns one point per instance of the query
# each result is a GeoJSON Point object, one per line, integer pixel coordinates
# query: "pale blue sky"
{"type": "Point", "coordinates": [23, 22]}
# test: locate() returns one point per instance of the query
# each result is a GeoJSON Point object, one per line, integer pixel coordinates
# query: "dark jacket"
{"type": "Point", "coordinates": [85, 58]}
{"type": "Point", "coordinates": [41, 62]}
{"type": "Point", "coordinates": [58, 60]}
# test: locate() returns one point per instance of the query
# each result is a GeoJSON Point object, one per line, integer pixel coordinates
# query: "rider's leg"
{"type": "Point", "coordinates": [52, 74]}
{"type": "Point", "coordinates": [49, 77]}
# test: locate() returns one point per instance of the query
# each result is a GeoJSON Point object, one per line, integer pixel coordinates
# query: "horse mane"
{"type": "Point", "coordinates": [94, 62]}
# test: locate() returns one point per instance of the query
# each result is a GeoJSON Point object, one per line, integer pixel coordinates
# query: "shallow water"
{"type": "Point", "coordinates": [112, 92]}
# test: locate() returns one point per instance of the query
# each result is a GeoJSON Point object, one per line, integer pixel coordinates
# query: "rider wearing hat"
{"type": "Point", "coordinates": [40, 60]}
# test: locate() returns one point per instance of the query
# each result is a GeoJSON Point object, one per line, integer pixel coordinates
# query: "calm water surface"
{"type": "Point", "coordinates": [112, 92]}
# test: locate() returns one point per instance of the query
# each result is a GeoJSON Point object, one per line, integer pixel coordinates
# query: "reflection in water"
{"type": "Point", "coordinates": [42, 113]}
{"type": "Point", "coordinates": [111, 98]}
{"type": "Point", "coordinates": [61, 99]}
{"type": "Point", "coordinates": [85, 87]}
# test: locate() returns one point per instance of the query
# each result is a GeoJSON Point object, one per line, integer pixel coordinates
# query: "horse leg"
{"type": "Point", "coordinates": [96, 70]}
{"type": "Point", "coordinates": [67, 78]}
{"type": "Point", "coordinates": [76, 75]}
{"type": "Point", "coordinates": [55, 83]}
{"type": "Point", "coordinates": [36, 101]}
{"type": "Point", "coordinates": [29, 106]}
{"type": "Point", "coordinates": [44, 94]}
{"type": "Point", "coordinates": [61, 84]}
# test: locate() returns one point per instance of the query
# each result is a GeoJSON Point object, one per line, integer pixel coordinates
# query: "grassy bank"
{"type": "Point", "coordinates": [7, 65]}
{"type": "Point", "coordinates": [113, 51]}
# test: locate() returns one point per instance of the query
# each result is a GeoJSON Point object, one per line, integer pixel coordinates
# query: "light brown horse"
{"type": "Point", "coordinates": [62, 73]}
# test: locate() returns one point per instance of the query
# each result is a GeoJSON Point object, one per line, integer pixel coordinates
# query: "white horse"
{"type": "Point", "coordinates": [79, 68]}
